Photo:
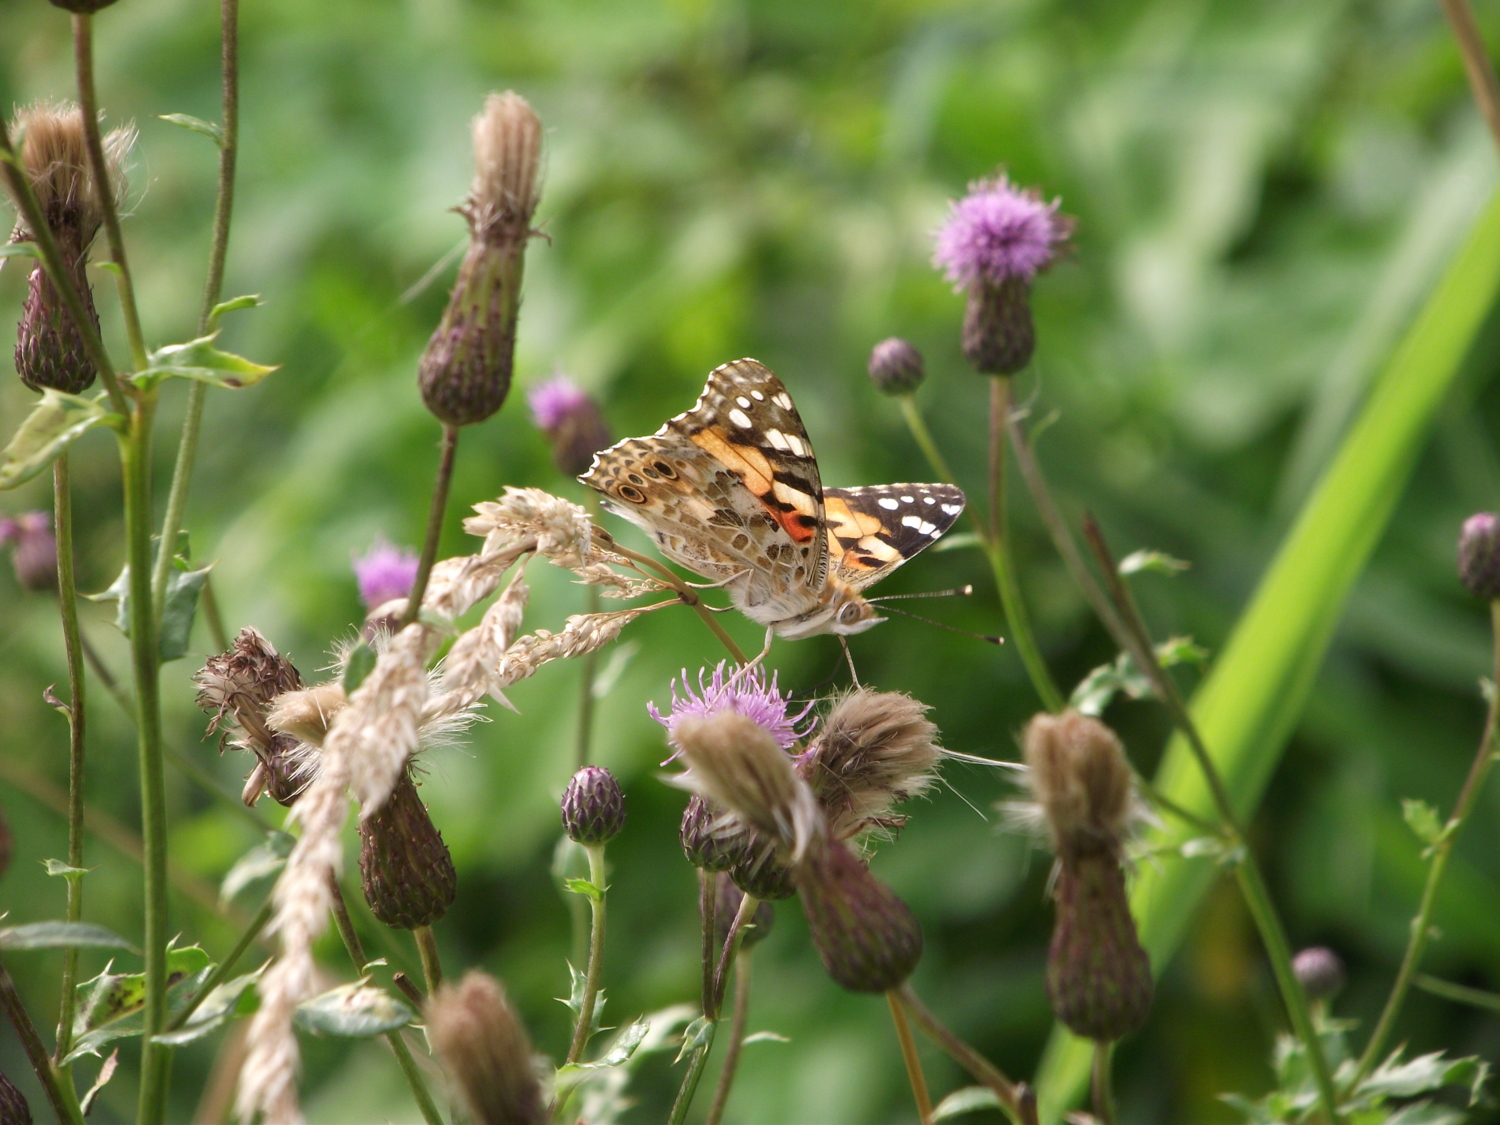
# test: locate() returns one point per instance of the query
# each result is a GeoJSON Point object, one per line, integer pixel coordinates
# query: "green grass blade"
{"type": "Point", "coordinates": [1249, 704]}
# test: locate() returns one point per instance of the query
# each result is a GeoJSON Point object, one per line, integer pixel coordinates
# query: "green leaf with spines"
{"type": "Point", "coordinates": [210, 129]}
{"type": "Point", "coordinates": [228, 1001]}
{"type": "Point", "coordinates": [58, 867]}
{"type": "Point", "coordinates": [585, 888]}
{"type": "Point", "coordinates": [179, 607]}
{"type": "Point", "coordinates": [234, 304]}
{"type": "Point", "coordinates": [969, 1099]}
{"type": "Point", "coordinates": [199, 359]}
{"type": "Point", "coordinates": [261, 861]}
{"type": "Point", "coordinates": [55, 422]}
{"type": "Point", "coordinates": [60, 935]}
{"type": "Point", "coordinates": [1157, 562]}
{"type": "Point", "coordinates": [354, 1011]}
{"type": "Point", "coordinates": [1424, 821]}
{"type": "Point", "coordinates": [112, 1005]}
{"type": "Point", "coordinates": [695, 1035]}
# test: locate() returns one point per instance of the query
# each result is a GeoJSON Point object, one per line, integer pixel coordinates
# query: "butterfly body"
{"type": "Point", "coordinates": [731, 490]}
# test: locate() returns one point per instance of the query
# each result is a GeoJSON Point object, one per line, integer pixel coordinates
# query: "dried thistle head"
{"type": "Point", "coordinates": [874, 751]}
{"type": "Point", "coordinates": [54, 155]}
{"type": "Point", "coordinates": [1081, 779]}
{"type": "Point", "coordinates": [507, 167]}
{"type": "Point", "coordinates": [737, 763]}
{"type": "Point", "coordinates": [483, 1045]}
{"type": "Point", "coordinates": [307, 714]}
{"type": "Point", "coordinates": [240, 688]}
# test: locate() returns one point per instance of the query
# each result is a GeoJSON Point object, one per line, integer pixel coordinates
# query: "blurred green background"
{"type": "Point", "coordinates": [1264, 192]}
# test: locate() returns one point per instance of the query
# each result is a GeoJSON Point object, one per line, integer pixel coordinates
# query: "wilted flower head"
{"type": "Point", "coordinates": [999, 232]}
{"type": "Point", "coordinates": [13, 1107]}
{"type": "Point", "coordinates": [34, 549]}
{"type": "Point", "coordinates": [1479, 555]}
{"type": "Point", "coordinates": [239, 688]}
{"type": "Point", "coordinates": [572, 421]}
{"type": "Point", "coordinates": [867, 938]}
{"type": "Point", "coordinates": [484, 1047]}
{"type": "Point", "coordinates": [384, 573]}
{"type": "Point", "coordinates": [744, 692]}
{"type": "Point", "coordinates": [874, 751]}
{"type": "Point", "coordinates": [1081, 779]}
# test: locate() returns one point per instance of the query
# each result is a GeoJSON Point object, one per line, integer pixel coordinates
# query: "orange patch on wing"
{"type": "Point", "coordinates": [754, 468]}
{"type": "Point", "coordinates": [845, 522]}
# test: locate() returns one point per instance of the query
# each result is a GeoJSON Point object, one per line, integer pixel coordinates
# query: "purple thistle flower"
{"type": "Point", "coordinates": [745, 692]}
{"type": "Point", "coordinates": [998, 232]}
{"type": "Point", "coordinates": [384, 573]}
{"type": "Point", "coordinates": [554, 401]}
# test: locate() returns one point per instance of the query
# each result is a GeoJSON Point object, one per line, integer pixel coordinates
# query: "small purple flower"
{"type": "Point", "coordinates": [35, 555]}
{"type": "Point", "coordinates": [998, 232]}
{"type": "Point", "coordinates": [384, 573]}
{"type": "Point", "coordinates": [745, 692]}
{"type": "Point", "coordinates": [555, 401]}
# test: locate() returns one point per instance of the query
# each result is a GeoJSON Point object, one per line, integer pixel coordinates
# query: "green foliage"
{"type": "Point", "coordinates": [111, 1006]}
{"type": "Point", "coordinates": [354, 1011]}
{"type": "Point", "coordinates": [57, 420]}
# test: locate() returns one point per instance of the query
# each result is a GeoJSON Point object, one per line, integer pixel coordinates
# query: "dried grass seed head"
{"type": "Point", "coordinates": [874, 751]}
{"type": "Point", "coordinates": [484, 1047]}
{"type": "Point", "coordinates": [1079, 775]}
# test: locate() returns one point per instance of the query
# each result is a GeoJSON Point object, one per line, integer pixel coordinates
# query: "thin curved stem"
{"type": "Point", "coordinates": [1476, 63]}
{"type": "Point", "coordinates": [708, 905]}
{"type": "Point", "coordinates": [1102, 1084]}
{"type": "Point", "coordinates": [736, 1040]}
{"type": "Point", "coordinates": [979, 1067]}
{"type": "Point", "coordinates": [88, 102]}
{"type": "Point", "coordinates": [909, 1057]}
{"type": "Point", "coordinates": [688, 595]}
{"type": "Point", "coordinates": [1421, 925]}
{"type": "Point", "coordinates": [225, 967]}
{"type": "Point", "coordinates": [65, 1107]}
{"type": "Point", "coordinates": [427, 950]}
{"type": "Point", "coordinates": [689, 1087]}
{"type": "Point", "coordinates": [595, 970]}
{"type": "Point", "coordinates": [434, 525]}
{"type": "Point", "coordinates": [732, 942]}
{"type": "Point", "coordinates": [923, 437]}
{"type": "Point", "coordinates": [67, 597]}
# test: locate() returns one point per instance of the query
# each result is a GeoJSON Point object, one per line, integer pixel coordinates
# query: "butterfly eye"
{"type": "Point", "coordinates": [631, 493]}
{"type": "Point", "coordinates": [849, 614]}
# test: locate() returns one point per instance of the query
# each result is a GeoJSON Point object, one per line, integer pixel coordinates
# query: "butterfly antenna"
{"type": "Point", "coordinates": [994, 640]}
{"type": "Point", "coordinates": [956, 592]}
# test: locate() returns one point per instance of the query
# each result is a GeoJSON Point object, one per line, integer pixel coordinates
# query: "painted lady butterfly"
{"type": "Point", "coordinates": [730, 490]}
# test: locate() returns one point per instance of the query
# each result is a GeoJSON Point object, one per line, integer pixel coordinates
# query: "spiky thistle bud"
{"type": "Point", "coordinates": [572, 421]}
{"type": "Point", "coordinates": [82, 7]}
{"type": "Point", "coordinates": [1320, 972]}
{"type": "Point", "coordinates": [867, 938]}
{"type": "Point", "coordinates": [896, 366]}
{"type": "Point", "coordinates": [1098, 976]}
{"type": "Point", "coordinates": [33, 550]}
{"type": "Point", "coordinates": [1479, 555]}
{"type": "Point", "coordinates": [727, 899]}
{"type": "Point", "coordinates": [707, 842]}
{"type": "Point", "coordinates": [593, 807]}
{"type": "Point", "coordinates": [54, 155]}
{"type": "Point", "coordinates": [759, 872]}
{"type": "Point", "coordinates": [13, 1107]}
{"type": "Point", "coordinates": [874, 751]}
{"type": "Point", "coordinates": [240, 688]}
{"type": "Point", "coordinates": [405, 869]}
{"type": "Point", "coordinates": [996, 240]}
{"type": "Point", "coordinates": [466, 370]}
{"type": "Point", "coordinates": [483, 1045]}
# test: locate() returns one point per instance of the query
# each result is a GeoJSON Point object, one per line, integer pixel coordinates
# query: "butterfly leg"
{"type": "Point", "coordinates": [765, 652]}
{"type": "Point", "coordinates": [716, 585]}
{"type": "Point", "coordinates": [849, 656]}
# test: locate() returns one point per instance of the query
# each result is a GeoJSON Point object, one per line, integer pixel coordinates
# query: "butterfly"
{"type": "Point", "coordinates": [731, 491]}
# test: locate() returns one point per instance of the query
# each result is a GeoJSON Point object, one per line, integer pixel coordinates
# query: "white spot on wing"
{"type": "Point", "coordinates": [757, 396]}
{"type": "Point", "coordinates": [743, 401]}
{"type": "Point", "coordinates": [953, 509]}
{"type": "Point", "coordinates": [782, 400]}
{"type": "Point", "coordinates": [928, 500]}
{"type": "Point", "coordinates": [740, 419]}
{"type": "Point", "coordinates": [777, 439]}
{"type": "Point", "coordinates": [908, 499]}
{"type": "Point", "coordinates": [918, 524]}
{"type": "Point", "coordinates": [888, 504]}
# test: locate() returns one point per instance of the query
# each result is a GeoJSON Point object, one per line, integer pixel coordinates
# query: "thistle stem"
{"type": "Point", "coordinates": [67, 596]}
{"type": "Point", "coordinates": [434, 525]}
{"type": "Point", "coordinates": [983, 1071]}
{"type": "Point", "coordinates": [88, 102]}
{"type": "Point", "coordinates": [923, 437]}
{"type": "Point", "coordinates": [65, 1107]}
{"type": "Point", "coordinates": [736, 1040]}
{"type": "Point", "coordinates": [595, 970]}
{"type": "Point", "coordinates": [427, 950]}
{"type": "Point", "coordinates": [211, 615]}
{"type": "Point", "coordinates": [1421, 925]}
{"type": "Point", "coordinates": [913, 1063]}
{"type": "Point", "coordinates": [1102, 1084]}
{"type": "Point", "coordinates": [225, 967]}
{"type": "Point", "coordinates": [1476, 62]}
{"type": "Point", "coordinates": [689, 1085]}
{"type": "Point", "coordinates": [732, 942]}
{"type": "Point", "coordinates": [708, 906]}
{"type": "Point", "coordinates": [589, 669]}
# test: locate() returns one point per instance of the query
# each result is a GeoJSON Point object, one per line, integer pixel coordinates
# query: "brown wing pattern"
{"type": "Point", "coordinates": [872, 531]}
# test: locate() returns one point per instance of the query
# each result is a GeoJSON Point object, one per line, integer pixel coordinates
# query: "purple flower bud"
{"type": "Point", "coordinates": [572, 422]}
{"type": "Point", "coordinates": [705, 842]}
{"type": "Point", "coordinates": [593, 807]}
{"type": "Point", "coordinates": [406, 871]}
{"type": "Point", "coordinates": [34, 553]}
{"type": "Point", "coordinates": [896, 366]}
{"type": "Point", "coordinates": [1320, 972]}
{"type": "Point", "coordinates": [384, 573]}
{"type": "Point", "coordinates": [760, 873]}
{"type": "Point", "coordinates": [1479, 555]}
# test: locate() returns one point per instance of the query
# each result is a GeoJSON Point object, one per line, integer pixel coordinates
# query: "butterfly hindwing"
{"type": "Point", "coordinates": [872, 531]}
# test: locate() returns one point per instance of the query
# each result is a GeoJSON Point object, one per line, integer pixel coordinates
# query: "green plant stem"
{"type": "Point", "coordinates": [688, 595]}
{"type": "Point", "coordinates": [88, 102]}
{"type": "Point", "coordinates": [736, 1040]}
{"type": "Point", "coordinates": [595, 970]}
{"type": "Point", "coordinates": [432, 964]}
{"type": "Point", "coordinates": [1477, 65]}
{"type": "Point", "coordinates": [1442, 850]}
{"type": "Point", "coordinates": [225, 967]}
{"type": "Point", "coordinates": [689, 1085]}
{"type": "Point", "coordinates": [588, 670]}
{"type": "Point", "coordinates": [66, 1108]}
{"type": "Point", "coordinates": [211, 615]}
{"type": "Point", "coordinates": [708, 906]}
{"type": "Point", "coordinates": [909, 1056]}
{"type": "Point", "coordinates": [979, 1067]}
{"type": "Point", "coordinates": [1103, 1084]}
{"type": "Point", "coordinates": [923, 437]}
{"type": "Point", "coordinates": [732, 941]}
{"type": "Point", "coordinates": [1474, 997]}
{"type": "Point", "coordinates": [434, 525]}
{"type": "Point", "coordinates": [19, 186]}
{"type": "Point", "coordinates": [408, 1064]}
{"type": "Point", "coordinates": [67, 597]}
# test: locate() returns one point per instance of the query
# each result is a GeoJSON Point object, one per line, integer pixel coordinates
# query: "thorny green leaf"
{"type": "Point", "coordinates": [354, 1011]}
{"type": "Point", "coordinates": [764, 1037]}
{"type": "Point", "coordinates": [1423, 820]}
{"type": "Point", "coordinates": [1158, 562]}
{"type": "Point", "coordinates": [234, 304]}
{"type": "Point", "coordinates": [199, 359]}
{"type": "Point", "coordinates": [696, 1035]}
{"type": "Point", "coordinates": [179, 606]}
{"type": "Point", "coordinates": [620, 1051]}
{"type": "Point", "coordinates": [359, 664]}
{"type": "Point", "coordinates": [266, 858]}
{"type": "Point", "coordinates": [970, 1099]}
{"type": "Point", "coordinates": [112, 1005]}
{"type": "Point", "coordinates": [55, 422]}
{"type": "Point", "coordinates": [1097, 690]}
{"type": "Point", "coordinates": [60, 935]}
{"type": "Point", "coordinates": [106, 1072]}
{"type": "Point", "coordinates": [210, 129]}
{"type": "Point", "coordinates": [18, 250]}
{"type": "Point", "coordinates": [585, 888]}
{"type": "Point", "coordinates": [58, 867]}
{"type": "Point", "coordinates": [229, 1001]}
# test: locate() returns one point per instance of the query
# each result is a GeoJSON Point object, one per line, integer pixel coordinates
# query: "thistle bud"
{"type": "Point", "coordinates": [49, 348]}
{"type": "Point", "coordinates": [13, 1107]}
{"type": "Point", "coordinates": [867, 938]}
{"type": "Point", "coordinates": [466, 371]}
{"type": "Point", "coordinates": [572, 421]}
{"type": "Point", "coordinates": [1098, 976]}
{"type": "Point", "coordinates": [1479, 555]}
{"type": "Point", "coordinates": [33, 550]}
{"type": "Point", "coordinates": [404, 867]}
{"type": "Point", "coordinates": [758, 872]}
{"type": "Point", "coordinates": [1320, 972]}
{"type": "Point", "coordinates": [874, 751]}
{"type": "Point", "coordinates": [707, 843]}
{"type": "Point", "coordinates": [593, 807]}
{"type": "Point", "coordinates": [727, 899]}
{"type": "Point", "coordinates": [240, 688]}
{"type": "Point", "coordinates": [483, 1045]}
{"type": "Point", "coordinates": [896, 366]}
{"type": "Point", "coordinates": [81, 7]}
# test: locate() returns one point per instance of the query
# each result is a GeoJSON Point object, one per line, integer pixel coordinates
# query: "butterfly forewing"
{"type": "Point", "coordinates": [872, 531]}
